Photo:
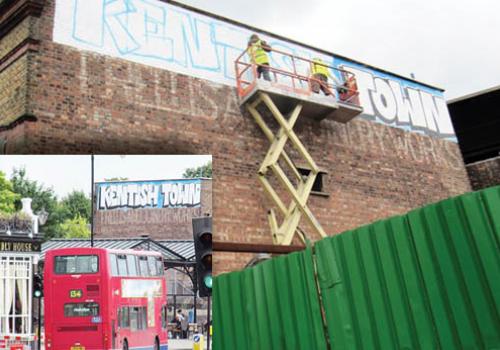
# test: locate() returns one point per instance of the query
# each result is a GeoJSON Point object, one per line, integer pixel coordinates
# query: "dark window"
{"type": "Point", "coordinates": [143, 266]}
{"type": "Point", "coordinates": [138, 319]}
{"type": "Point", "coordinates": [114, 266]}
{"type": "Point", "coordinates": [164, 317]}
{"type": "Point", "coordinates": [159, 266]}
{"type": "Point", "coordinates": [81, 309]}
{"type": "Point", "coordinates": [124, 317]}
{"type": "Point", "coordinates": [152, 266]}
{"type": "Point", "coordinates": [76, 264]}
{"type": "Point", "coordinates": [132, 265]}
{"type": "Point", "coordinates": [122, 265]}
{"type": "Point", "coordinates": [318, 182]}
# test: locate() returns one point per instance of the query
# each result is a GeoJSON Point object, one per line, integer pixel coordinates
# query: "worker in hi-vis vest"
{"type": "Point", "coordinates": [320, 74]}
{"type": "Point", "coordinates": [257, 50]}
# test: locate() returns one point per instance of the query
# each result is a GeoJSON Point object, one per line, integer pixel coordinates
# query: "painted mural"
{"type": "Point", "coordinates": [169, 37]}
{"type": "Point", "coordinates": [148, 194]}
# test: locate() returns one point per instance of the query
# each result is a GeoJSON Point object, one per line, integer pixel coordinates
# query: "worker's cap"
{"type": "Point", "coordinates": [254, 36]}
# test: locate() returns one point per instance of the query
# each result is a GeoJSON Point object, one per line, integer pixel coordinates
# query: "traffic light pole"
{"type": "Point", "coordinates": [39, 330]}
{"type": "Point", "coordinates": [208, 322]}
{"type": "Point", "coordinates": [92, 202]}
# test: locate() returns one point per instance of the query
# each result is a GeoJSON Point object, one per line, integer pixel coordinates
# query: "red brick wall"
{"type": "Point", "coordinates": [160, 224]}
{"type": "Point", "coordinates": [87, 102]}
{"type": "Point", "coordinates": [485, 173]}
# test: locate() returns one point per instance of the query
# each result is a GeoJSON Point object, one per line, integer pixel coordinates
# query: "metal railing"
{"type": "Point", "coordinates": [297, 79]}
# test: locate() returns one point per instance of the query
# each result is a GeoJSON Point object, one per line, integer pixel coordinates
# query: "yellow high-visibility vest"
{"type": "Point", "coordinates": [257, 53]}
{"type": "Point", "coordinates": [319, 68]}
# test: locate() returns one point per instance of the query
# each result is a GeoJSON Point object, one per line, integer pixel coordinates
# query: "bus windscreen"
{"type": "Point", "coordinates": [76, 264]}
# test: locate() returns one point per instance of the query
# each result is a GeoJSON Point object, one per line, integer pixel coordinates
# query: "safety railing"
{"type": "Point", "coordinates": [295, 78]}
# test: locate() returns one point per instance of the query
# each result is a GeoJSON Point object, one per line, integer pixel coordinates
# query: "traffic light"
{"type": "Point", "coordinates": [202, 234]}
{"type": "Point", "coordinates": [37, 286]}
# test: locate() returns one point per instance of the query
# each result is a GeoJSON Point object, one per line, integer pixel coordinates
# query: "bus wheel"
{"type": "Point", "coordinates": [157, 344]}
{"type": "Point", "coordinates": [125, 345]}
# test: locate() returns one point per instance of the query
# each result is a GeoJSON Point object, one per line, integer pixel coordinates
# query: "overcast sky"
{"type": "Point", "coordinates": [452, 44]}
{"type": "Point", "coordinates": [67, 173]}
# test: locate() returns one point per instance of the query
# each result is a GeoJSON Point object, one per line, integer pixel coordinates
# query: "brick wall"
{"type": "Point", "coordinates": [88, 102]}
{"type": "Point", "coordinates": [485, 173]}
{"type": "Point", "coordinates": [160, 224]}
{"type": "Point", "coordinates": [13, 74]}
{"type": "Point", "coordinates": [18, 40]}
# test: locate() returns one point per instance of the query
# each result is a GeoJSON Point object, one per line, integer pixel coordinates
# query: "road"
{"type": "Point", "coordinates": [182, 344]}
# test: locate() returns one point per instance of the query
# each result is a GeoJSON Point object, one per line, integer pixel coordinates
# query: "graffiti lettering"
{"type": "Point", "coordinates": [390, 102]}
{"type": "Point", "coordinates": [158, 194]}
{"type": "Point", "coordinates": [169, 37]}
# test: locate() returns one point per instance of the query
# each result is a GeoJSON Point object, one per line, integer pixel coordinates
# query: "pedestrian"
{"type": "Point", "coordinates": [257, 50]}
{"type": "Point", "coordinates": [178, 323]}
{"type": "Point", "coordinates": [184, 326]}
{"type": "Point", "coordinates": [320, 74]}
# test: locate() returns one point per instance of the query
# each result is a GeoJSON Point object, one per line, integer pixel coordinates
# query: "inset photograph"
{"type": "Point", "coordinates": [98, 252]}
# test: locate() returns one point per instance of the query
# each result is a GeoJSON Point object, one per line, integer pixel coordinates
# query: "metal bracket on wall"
{"type": "Point", "coordinates": [284, 233]}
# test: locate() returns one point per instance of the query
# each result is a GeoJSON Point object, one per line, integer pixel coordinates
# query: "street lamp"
{"type": "Point", "coordinates": [42, 217]}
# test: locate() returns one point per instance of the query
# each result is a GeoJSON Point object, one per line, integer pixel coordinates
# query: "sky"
{"type": "Point", "coordinates": [451, 44]}
{"type": "Point", "coordinates": [65, 173]}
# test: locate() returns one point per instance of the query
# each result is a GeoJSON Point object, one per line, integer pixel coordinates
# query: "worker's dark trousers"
{"type": "Point", "coordinates": [322, 83]}
{"type": "Point", "coordinates": [263, 70]}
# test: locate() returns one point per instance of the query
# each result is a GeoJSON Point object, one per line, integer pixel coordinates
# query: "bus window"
{"type": "Point", "coordinates": [114, 266]}
{"type": "Point", "coordinates": [124, 317]}
{"type": "Point", "coordinates": [81, 309]}
{"type": "Point", "coordinates": [143, 266]}
{"type": "Point", "coordinates": [122, 265]}
{"type": "Point", "coordinates": [132, 265]}
{"type": "Point", "coordinates": [76, 264]}
{"type": "Point", "coordinates": [138, 318]}
{"type": "Point", "coordinates": [159, 266]}
{"type": "Point", "coordinates": [164, 317]}
{"type": "Point", "coordinates": [152, 266]}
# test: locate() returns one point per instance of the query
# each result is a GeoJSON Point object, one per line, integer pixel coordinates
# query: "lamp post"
{"type": "Point", "coordinates": [42, 220]}
{"type": "Point", "coordinates": [42, 217]}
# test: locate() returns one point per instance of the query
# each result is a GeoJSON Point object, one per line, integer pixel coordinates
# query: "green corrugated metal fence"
{"type": "Point", "coordinates": [429, 279]}
{"type": "Point", "coordinates": [273, 305]}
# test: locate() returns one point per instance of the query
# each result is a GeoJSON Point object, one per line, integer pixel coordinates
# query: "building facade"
{"type": "Point", "coordinates": [477, 123]}
{"type": "Point", "coordinates": [158, 77]}
{"type": "Point", "coordinates": [20, 245]}
{"type": "Point", "coordinates": [161, 210]}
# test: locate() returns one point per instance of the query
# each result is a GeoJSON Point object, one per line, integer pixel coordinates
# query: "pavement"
{"type": "Point", "coordinates": [182, 344]}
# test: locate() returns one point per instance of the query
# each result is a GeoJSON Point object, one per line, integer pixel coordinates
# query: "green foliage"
{"type": "Point", "coordinates": [7, 195]}
{"type": "Point", "coordinates": [42, 198]}
{"type": "Point", "coordinates": [201, 171]}
{"type": "Point", "coordinates": [75, 206]}
{"type": "Point", "coordinates": [76, 227]}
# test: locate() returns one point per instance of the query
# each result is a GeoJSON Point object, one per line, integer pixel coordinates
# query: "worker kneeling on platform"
{"type": "Point", "coordinates": [257, 50]}
{"type": "Point", "coordinates": [319, 75]}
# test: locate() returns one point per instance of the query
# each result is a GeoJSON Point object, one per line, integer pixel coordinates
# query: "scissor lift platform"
{"type": "Point", "coordinates": [287, 95]}
{"type": "Point", "coordinates": [315, 106]}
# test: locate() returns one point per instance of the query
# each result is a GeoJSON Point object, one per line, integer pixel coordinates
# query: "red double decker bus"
{"type": "Point", "coordinates": [104, 299]}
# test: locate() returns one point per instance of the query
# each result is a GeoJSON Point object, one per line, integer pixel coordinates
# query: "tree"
{"type": "Point", "coordinates": [7, 195]}
{"type": "Point", "coordinates": [77, 204]}
{"type": "Point", "coordinates": [201, 171]}
{"type": "Point", "coordinates": [42, 198]}
{"type": "Point", "coordinates": [75, 228]}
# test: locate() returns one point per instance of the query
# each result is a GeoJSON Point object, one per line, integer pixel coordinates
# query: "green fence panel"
{"type": "Point", "coordinates": [274, 305]}
{"type": "Point", "coordinates": [429, 279]}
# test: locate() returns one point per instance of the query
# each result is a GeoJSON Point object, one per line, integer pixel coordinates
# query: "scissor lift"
{"type": "Point", "coordinates": [289, 93]}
